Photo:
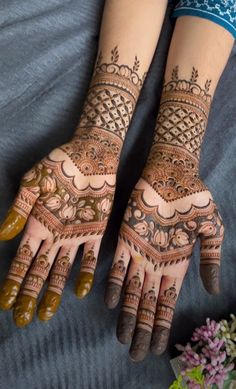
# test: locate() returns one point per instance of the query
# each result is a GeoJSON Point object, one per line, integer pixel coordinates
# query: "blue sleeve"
{"type": "Point", "coordinates": [222, 12]}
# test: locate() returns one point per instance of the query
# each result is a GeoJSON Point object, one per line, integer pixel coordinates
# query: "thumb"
{"type": "Point", "coordinates": [19, 211]}
{"type": "Point", "coordinates": [211, 235]}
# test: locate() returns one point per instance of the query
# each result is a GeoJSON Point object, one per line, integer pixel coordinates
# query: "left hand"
{"type": "Point", "coordinates": [169, 209]}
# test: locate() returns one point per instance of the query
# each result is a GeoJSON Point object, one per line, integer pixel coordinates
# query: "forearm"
{"type": "Point", "coordinates": [128, 38]}
{"type": "Point", "coordinates": [197, 56]}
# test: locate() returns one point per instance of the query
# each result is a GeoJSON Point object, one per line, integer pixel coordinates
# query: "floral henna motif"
{"type": "Point", "coordinates": [165, 243]}
{"type": "Point", "coordinates": [65, 210]}
{"type": "Point", "coordinates": [68, 196]}
{"type": "Point", "coordinates": [168, 210]}
{"type": "Point", "coordinates": [166, 231]}
{"type": "Point", "coordinates": [94, 154]}
{"type": "Point", "coordinates": [106, 116]}
{"type": "Point", "coordinates": [94, 151]}
{"type": "Point", "coordinates": [172, 172]}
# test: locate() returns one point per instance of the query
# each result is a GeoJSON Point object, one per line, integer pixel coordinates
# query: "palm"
{"type": "Point", "coordinates": [66, 200]}
{"type": "Point", "coordinates": [167, 211]}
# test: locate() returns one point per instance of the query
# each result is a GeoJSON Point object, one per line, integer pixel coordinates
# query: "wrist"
{"type": "Point", "coordinates": [172, 172]}
{"type": "Point", "coordinates": [183, 115]}
{"type": "Point", "coordinates": [95, 151]}
{"type": "Point", "coordinates": [112, 96]}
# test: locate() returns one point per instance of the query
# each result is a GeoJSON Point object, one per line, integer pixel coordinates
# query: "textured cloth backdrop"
{"type": "Point", "coordinates": [47, 52]}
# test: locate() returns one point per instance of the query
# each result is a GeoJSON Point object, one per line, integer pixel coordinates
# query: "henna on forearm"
{"type": "Point", "coordinates": [112, 95]}
{"type": "Point", "coordinates": [183, 112]}
{"type": "Point", "coordinates": [67, 197]}
{"type": "Point", "coordinates": [168, 209]}
{"type": "Point", "coordinates": [179, 132]}
{"type": "Point", "coordinates": [72, 190]}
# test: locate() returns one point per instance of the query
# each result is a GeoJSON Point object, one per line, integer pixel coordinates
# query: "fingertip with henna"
{"type": "Point", "coordinates": [24, 309]}
{"type": "Point", "coordinates": [210, 275]}
{"type": "Point", "coordinates": [84, 284]}
{"type": "Point", "coordinates": [12, 225]}
{"type": "Point", "coordinates": [8, 293]}
{"type": "Point", "coordinates": [140, 345]}
{"type": "Point", "coordinates": [159, 342]}
{"type": "Point", "coordinates": [112, 295]}
{"type": "Point", "coordinates": [48, 305]}
{"type": "Point", "coordinates": [125, 327]}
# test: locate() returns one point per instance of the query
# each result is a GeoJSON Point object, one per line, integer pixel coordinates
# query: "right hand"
{"type": "Point", "coordinates": [64, 201]}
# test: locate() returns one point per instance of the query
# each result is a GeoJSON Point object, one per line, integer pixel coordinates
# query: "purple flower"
{"type": "Point", "coordinates": [209, 352]}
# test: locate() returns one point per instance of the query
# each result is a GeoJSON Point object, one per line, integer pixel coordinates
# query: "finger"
{"type": "Point", "coordinates": [84, 281]}
{"type": "Point", "coordinates": [25, 305]}
{"type": "Point", "coordinates": [19, 212]}
{"type": "Point", "coordinates": [117, 275]}
{"type": "Point", "coordinates": [169, 290]}
{"type": "Point", "coordinates": [10, 288]}
{"type": "Point", "coordinates": [145, 318]}
{"type": "Point", "coordinates": [58, 277]}
{"type": "Point", "coordinates": [211, 235]}
{"type": "Point", "coordinates": [127, 318]}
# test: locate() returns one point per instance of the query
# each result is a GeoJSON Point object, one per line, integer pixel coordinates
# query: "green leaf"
{"type": "Point", "coordinates": [196, 375]}
{"type": "Point", "coordinates": [178, 384]}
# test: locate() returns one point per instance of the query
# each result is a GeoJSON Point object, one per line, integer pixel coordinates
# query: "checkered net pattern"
{"type": "Point", "coordinates": [107, 109]}
{"type": "Point", "coordinates": [181, 127]}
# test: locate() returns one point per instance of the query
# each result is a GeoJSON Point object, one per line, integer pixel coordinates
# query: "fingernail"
{"type": "Point", "coordinates": [24, 309]}
{"type": "Point", "coordinates": [8, 293]}
{"type": "Point", "coordinates": [84, 284]}
{"type": "Point", "coordinates": [12, 225]}
{"type": "Point", "coordinates": [159, 341]}
{"type": "Point", "coordinates": [125, 328]}
{"type": "Point", "coordinates": [48, 305]}
{"type": "Point", "coordinates": [112, 295]}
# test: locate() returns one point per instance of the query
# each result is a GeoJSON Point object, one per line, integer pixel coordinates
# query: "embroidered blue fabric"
{"type": "Point", "coordinates": [222, 12]}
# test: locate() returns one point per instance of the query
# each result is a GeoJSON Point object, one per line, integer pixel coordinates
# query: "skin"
{"type": "Point", "coordinates": [170, 207]}
{"type": "Point", "coordinates": [65, 200]}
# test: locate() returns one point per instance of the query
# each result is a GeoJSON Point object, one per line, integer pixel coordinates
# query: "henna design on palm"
{"type": "Point", "coordinates": [65, 200]}
{"type": "Point", "coordinates": [169, 209]}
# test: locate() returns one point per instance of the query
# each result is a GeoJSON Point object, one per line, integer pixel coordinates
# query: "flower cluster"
{"type": "Point", "coordinates": [213, 349]}
{"type": "Point", "coordinates": [227, 332]}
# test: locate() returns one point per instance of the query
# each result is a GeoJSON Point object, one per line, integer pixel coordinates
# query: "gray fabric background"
{"type": "Point", "coordinates": [47, 50]}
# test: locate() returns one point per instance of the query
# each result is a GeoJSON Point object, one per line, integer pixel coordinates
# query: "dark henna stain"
{"type": "Point", "coordinates": [140, 344]}
{"type": "Point", "coordinates": [112, 295]}
{"type": "Point", "coordinates": [159, 340]}
{"type": "Point", "coordinates": [125, 327]}
{"type": "Point", "coordinates": [210, 275]}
